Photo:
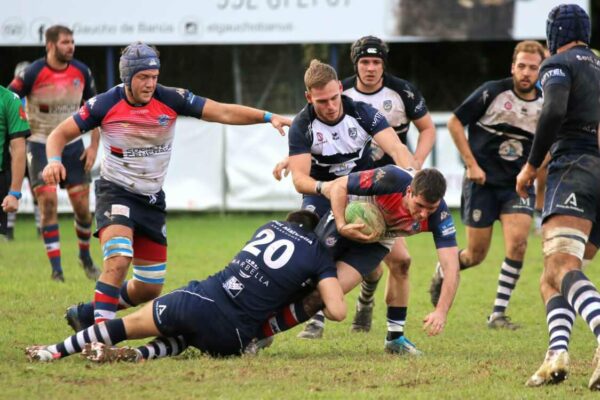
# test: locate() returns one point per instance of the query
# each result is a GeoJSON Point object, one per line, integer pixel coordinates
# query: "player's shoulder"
{"type": "Point", "coordinates": [32, 70]}
{"type": "Point", "coordinates": [80, 65]}
{"type": "Point", "coordinates": [498, 85]}
{"type": "Point", "coordinates": [397, 84]}
{"type": "Point", "coordinates": [172, 95]}
{"type": "Point", "coordinates": [303, 119]}
{"type": "Point", "coordinates": [105, 100]}
{"type": "Point", "coordinates": [349, 82]}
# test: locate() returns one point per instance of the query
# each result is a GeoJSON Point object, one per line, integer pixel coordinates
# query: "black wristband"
{"type": "Point", "coordinates": [318, 187]}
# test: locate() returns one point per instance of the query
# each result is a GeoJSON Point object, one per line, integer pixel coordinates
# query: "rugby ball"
{"type": "Point", "coordinates": [361, 212]}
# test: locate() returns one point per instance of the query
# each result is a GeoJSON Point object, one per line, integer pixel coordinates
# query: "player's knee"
{"type": "Point", "coordinates": [399, 267]}
{"type": "Point", "coordinates": [518, 249]}
{"type": "Point", "coordinates": [564, 240]}
{"type": "Point", "coordinates": [143, 292]}
{"type": "Point", "coordinates": [474, 257]}
{"type": "Point", "coordinates": [375, 275]}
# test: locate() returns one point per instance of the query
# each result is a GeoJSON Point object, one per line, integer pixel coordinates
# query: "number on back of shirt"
{"type": "Point", "coordinates": [276, 253]}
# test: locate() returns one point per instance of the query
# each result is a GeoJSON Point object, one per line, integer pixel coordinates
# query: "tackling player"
{"type": "Point", "coordinates": [222, 314]}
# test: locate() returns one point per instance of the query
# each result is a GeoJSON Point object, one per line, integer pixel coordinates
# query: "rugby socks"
{"type": "Point", "coordinates": [51, 238]}
{"type": "Point", "coordinates": [318, 319]}
{"type": "Point", "coordinates": [163, 347]}
{"type": "Point", "coordinates": [109, 333]}
{"type": "Point", "coordinates": [396, 318]}
{"type": "Point", "coordinates": [509, 275]}
{"type": "Point", "coordinates": [84, 232]}
{"type": "Point", "coordinates": [106, 302]}
{"type": "Point", "coordinates": [286, 318]}
{"type": "Point", "coordinates": [124, 300]}
{"type": "Point", "coordinates": [583, 297]}
{"type": "Point", "coordinates": [560, 317]}
{"type": "Point", "coordinates": [367, 293]}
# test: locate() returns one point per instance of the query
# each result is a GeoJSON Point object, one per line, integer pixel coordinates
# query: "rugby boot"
{"type": "Point", "coordinates": [435, 287]}
{"type": "Point", "coordinates": [502, 322]}
{"type": "Point", "coordinates": [40, 354]}
{"type": "Point", "coordinates": [554, 369]}
{"type": "Point", "coordinates": [57, 276]}
{"type": "Point", "coordinates": [76, 320]}
{"type": "Point", "coordinates": [594, 383]}
{"type": "Point", "coordinates": [101, 353]}
{"type": "Point", "coordinates": [257, 345]}
{"type": "Point", "coordinates": [362, 317]}
{"type": "Point", "coordinates": [401, 346]}
{"type": "Point", "coordinates": [90, 269]}
{"type": "Point", "coordinates": [312, 330]}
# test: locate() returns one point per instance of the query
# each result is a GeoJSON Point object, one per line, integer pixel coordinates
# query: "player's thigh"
{"type": "Point", "coordinates": [478, 241]}
{"type": "Point", "coordinates": [479, 207]}
{"type": "Point", "coordinates": [140, 324]}
{"type": "Point", "coordinates": [348, 276]}
{"type": "Point", "coordinates": [572, 187]}
{"type": "Point", "coordinates": [399, 253]}
{"type": "Point", "coordinates": [75, 167]}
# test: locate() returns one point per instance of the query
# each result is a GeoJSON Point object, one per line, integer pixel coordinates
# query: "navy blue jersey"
{"type": "Point", "coordinates": [340, 148]}
{"type": "Point", "coordinates": [137, 139]}
{"type": "Point", "coordinates": [279, 261]}
{"type": "Point", "coordinates": [386, 188]}
{"type": "Point", "coordinates": [398, 100]}
{"type": "Point", "coordinates": [501, 128]}
{"type": "Point", "coordinates": [577, 69]}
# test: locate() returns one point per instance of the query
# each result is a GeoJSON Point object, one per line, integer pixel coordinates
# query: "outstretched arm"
{"type": "Point", "coordinates": [391, 144]}
{"type": "Point", "coordinates": [235, 114]}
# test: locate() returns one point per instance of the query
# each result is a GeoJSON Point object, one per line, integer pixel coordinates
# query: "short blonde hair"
{"type": "Point", "coordinates": [319, 74]}
{"type": "Point", "coordinates": [529, 46]}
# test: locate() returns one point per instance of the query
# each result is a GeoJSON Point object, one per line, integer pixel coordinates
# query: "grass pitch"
{"type": "Point", "coordinates": [467, 361]}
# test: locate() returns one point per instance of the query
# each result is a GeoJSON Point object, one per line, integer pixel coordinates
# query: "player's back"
{"type": "Point", "coordinates": [275, 265]}
{"type": "Point", "coordinates": [579, 68]}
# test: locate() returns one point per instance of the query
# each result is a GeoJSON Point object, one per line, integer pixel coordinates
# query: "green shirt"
{"type": "Point", "coordinates": [13, 124]}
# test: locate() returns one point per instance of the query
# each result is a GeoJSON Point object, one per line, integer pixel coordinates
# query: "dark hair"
{"type": "Point", "coordinates": [429, 183]}
{"type": "Point", "coordinates": [306, 219]}
{"type": "Point", "coordinates": [54, 32]}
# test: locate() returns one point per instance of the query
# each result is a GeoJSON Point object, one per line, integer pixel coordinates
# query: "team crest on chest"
{"type": "Point", "coordinates": [76, 82]}
{"type": "Point", "coordinates": [163, 120]}
{"type": "Point", "coordinates": [387, 105]}
{"type": "Point", "coordinates": [320, 137]}
{"type": "Point", "coordinates": [352, 132]}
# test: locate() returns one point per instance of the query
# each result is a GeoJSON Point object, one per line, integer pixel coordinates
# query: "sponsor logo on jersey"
{"type": "Point", "coordinates": [140, 151]}
{"type": "Point", "coordinates": [379, 174]}
{"type": "Point", "coordinates": [84, 112]}
{"type": "Point", "coordinates": [180, 92]}
{"type": "Point", "coordinates": [233, 287]}
{"type": "Point", "coordinates": [22, 114]}
{"type": "Point", "coordinates": [553, 73]}
{"type": "Point", "coordinates": [387, 105]}
{"type": "Point", "coordinates": [91, 102]}
{"type": "Point", "coordinates": [76, 82]}
{"type": "Point", "coordinates": [152, 62]}
{"type": "Point", "coordinates": [372, 50]}
{"type": "Point", "coordinates": [335, 135]}
{"type": "Point", "coordinates": [510, 150]}
{"type": "Point", "coordinates": [409, 94]}
{"type": "Point", "coordinates": [571, 200]}
{"type": "Point", "coordinates": [485, 95]}
{"type": "Point", "coordinates": [508, 105]}
{"type": "Point", "coordinates": [352, 132]}
{"type": "Point", "coordinates": [320, 138]}
{"type": "Point", "coordinates": [447, 228]}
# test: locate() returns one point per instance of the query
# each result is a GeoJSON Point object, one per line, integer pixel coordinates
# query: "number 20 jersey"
{"type": "Point", "coordinates": [278, 262]}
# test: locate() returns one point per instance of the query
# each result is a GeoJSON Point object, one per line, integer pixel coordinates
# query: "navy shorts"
{"type": "Point", "coordinates": [5, 178]}
{"type": "Point", "coordinates": [481, 205]}
{"type": "Point", "coordinates": [146, 215]}
{"type": "Point", "coordinates": [189, 312]}
{"type": "Point", "coordinates": [573, 187]}
{"type": "Point", "coordinates": [36, 161]}
{"type": "Point", "coordinates": [318, 204]}
{"type": "Point", "coordinates": [363, 257]}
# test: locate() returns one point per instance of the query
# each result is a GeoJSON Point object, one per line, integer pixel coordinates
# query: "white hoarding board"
{"type": "Point", "coordinates": [117, 22]}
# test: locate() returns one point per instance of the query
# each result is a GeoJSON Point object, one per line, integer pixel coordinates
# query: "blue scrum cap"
{"type": "Point", "coordinates": [137, 57]}
{"type": "Point", "coordinates": [567, 23]}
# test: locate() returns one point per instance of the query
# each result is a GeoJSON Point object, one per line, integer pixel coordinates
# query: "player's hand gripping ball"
{"type": "Point", "coordinates": [361, 212]}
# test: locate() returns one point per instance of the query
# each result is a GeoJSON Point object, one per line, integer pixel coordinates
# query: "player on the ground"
{"type": "Point", "coordinates": [568, 127]}
{"type": "Point", "coordinates": [223, 313]}
{"type": "Point", "coordinates": [409, 206]}
{"type": "Point", "coordinates": [55, 87]}
{"type": "Point", "coordinates": [14, 130]}
{"type": "Point", "coordinates": [138, 123]}
{"type": "Point", "coordinates": [501, 116]}
{"type": "Point", "coordinates": [401, 103]}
